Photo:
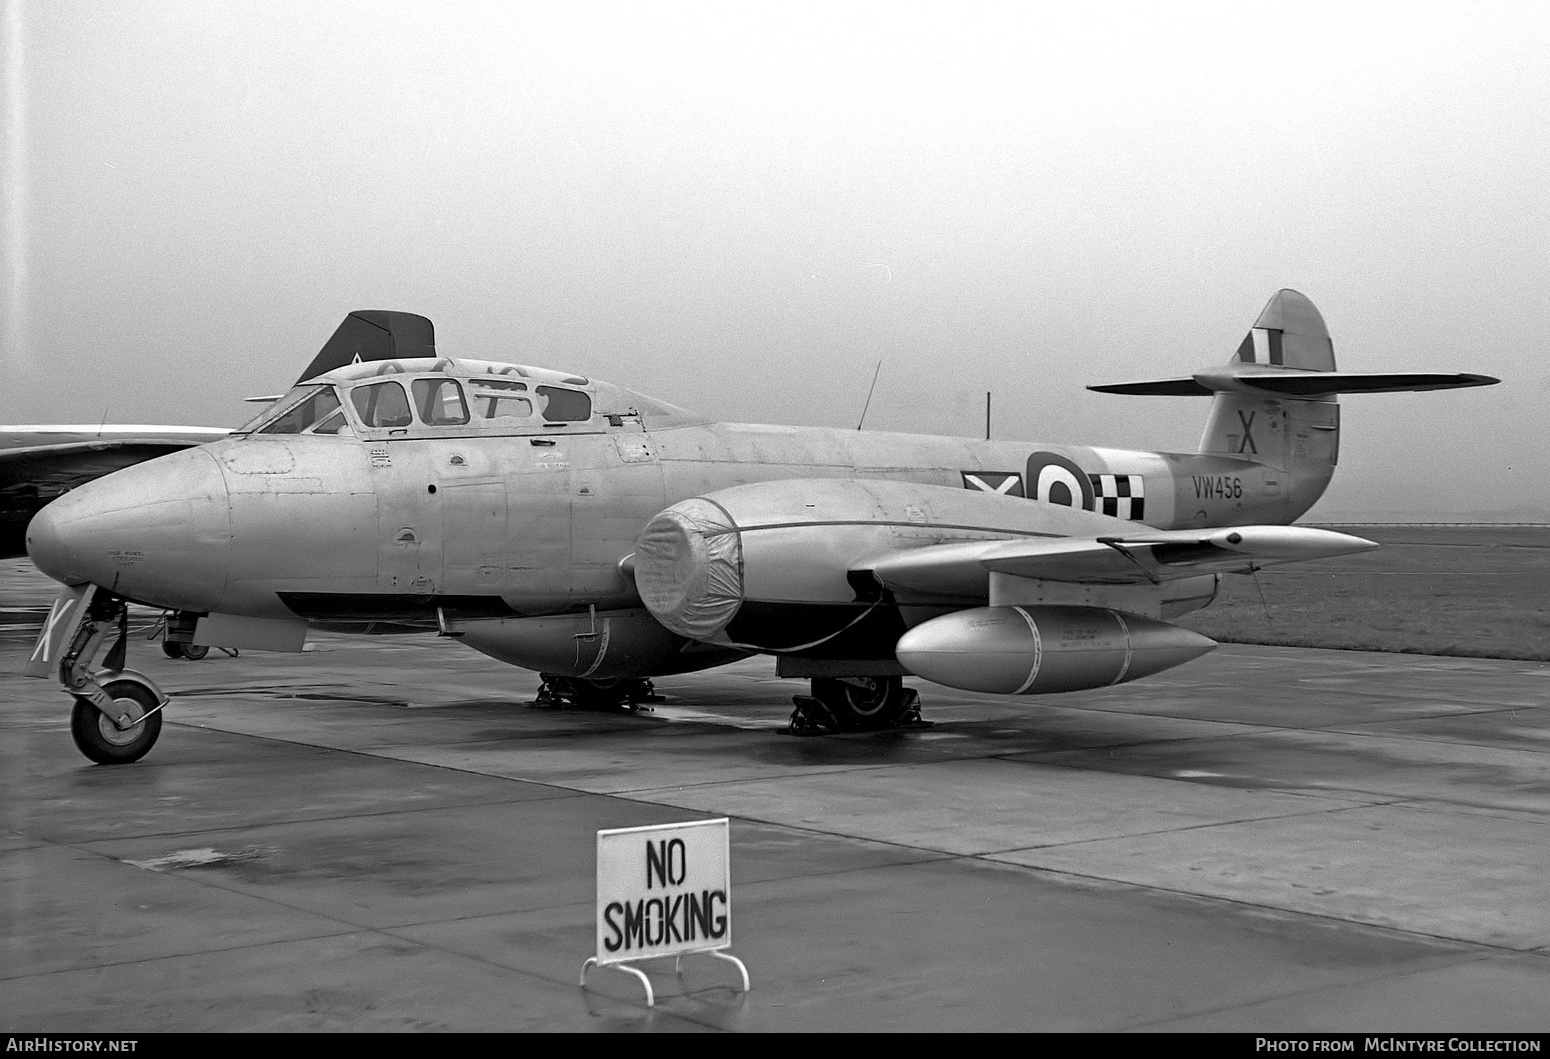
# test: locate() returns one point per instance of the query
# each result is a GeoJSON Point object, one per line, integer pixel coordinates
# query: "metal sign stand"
{"type": "Point", "coordinates": [678, 963]}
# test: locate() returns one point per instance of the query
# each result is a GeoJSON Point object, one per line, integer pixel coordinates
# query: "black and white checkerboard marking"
{"type": "Point", "coordinates": [1120, 495]}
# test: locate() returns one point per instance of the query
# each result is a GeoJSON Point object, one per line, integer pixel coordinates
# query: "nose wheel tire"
{"type": "Point", "coordinates": [860, 704]}
{"type": "Point", "coordinates": [191, 651]}
{"type": "Point", "coordinates": [103, 741]}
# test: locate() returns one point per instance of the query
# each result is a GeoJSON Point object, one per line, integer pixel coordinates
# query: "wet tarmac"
{"type": "Point", "coordinates": [380, 834]}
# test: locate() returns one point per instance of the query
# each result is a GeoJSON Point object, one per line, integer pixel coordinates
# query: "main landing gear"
{"type": "Point", "coordinates": [856, 704]}
{"type": "Point", "coordinates": [629, 693]}
{"type": "Point", "coordinates": [116, 718]}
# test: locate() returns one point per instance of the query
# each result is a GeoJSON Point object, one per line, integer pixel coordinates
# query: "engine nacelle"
{"type": "Point", "coordinates": [616, 643]}
{"type": "Point", "coordinates": [1038, 650]}
{"type": "Point", "coordinates": [768, 565]}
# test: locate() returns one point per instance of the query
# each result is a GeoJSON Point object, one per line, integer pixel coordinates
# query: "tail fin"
{"type": "Point", "coordinates": [374, 334]}
{"type": "Point", "coordinates": [1289, 333]}
{"type": "Point", "coordinates": [1298, 433]}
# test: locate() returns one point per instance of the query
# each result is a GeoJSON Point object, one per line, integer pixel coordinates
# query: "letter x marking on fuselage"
{"type": "Point", "coordinates": [1248, 434]}
{"type": "Point", "coordinates": [1003, 488]}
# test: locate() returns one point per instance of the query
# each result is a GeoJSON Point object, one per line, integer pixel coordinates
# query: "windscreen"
{"type": "Point", "coordinates": [313, 409]}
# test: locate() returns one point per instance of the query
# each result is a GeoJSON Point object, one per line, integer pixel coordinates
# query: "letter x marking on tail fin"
{"type": "Point", "coordinates": [1247, 444]}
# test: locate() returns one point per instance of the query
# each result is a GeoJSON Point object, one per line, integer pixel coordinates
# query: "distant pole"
{"type": "Point", "coordinates": [987, 415]}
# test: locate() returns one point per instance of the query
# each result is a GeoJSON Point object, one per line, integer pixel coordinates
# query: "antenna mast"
{"type": "Point", "coordinates": [869, 395]}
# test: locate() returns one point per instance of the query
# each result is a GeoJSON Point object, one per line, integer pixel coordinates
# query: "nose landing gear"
{"type": "Point", "coordinates": [116, 718]}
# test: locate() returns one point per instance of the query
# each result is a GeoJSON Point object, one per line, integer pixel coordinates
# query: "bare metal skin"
{"type": "Point", "coordinates": [578, 528]}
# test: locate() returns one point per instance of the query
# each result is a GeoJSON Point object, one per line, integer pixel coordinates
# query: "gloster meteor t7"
{"type": "Point", "coordinates": [602, 537]}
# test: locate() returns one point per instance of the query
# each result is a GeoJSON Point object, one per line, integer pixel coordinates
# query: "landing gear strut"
{"type": "Point", "coordinates": [630, 693]}
{"type": "Point", "coordinates": [116, 718]}
{"type": "Point", "coordinates": [855, 704]}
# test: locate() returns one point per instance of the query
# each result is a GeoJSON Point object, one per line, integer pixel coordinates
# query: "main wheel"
{"type": "Point", "coordinates": [195, 651]}
{"type": "Point", "coordinates": [863, 703]}
{"type": "Point", "coordinates": [595, 693]}
{"type": "Point", "coordinates": [102, 740]}
{"type": "Point", "coordinates": [600, 694]}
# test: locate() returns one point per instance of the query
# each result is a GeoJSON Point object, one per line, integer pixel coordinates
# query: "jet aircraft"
{"type": "Point", "coordinates": [40, 463]}
{"type": "Point", "coordinates": [602, 537]}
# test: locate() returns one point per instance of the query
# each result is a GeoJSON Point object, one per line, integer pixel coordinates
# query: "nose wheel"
{"type": "Point", "coordinates": [117, 740]}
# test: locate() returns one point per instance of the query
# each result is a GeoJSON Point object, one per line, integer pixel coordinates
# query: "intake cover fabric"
{"type": "Point", "coordinates": [689, 568]}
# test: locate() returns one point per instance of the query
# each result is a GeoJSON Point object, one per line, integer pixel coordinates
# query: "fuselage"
{"type": "Point", "coordinates": [395, 492]}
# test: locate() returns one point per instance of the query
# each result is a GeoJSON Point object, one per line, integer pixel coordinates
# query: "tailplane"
{"type": "Point", "coordinates": [1275, 402]}
{"type": "Point", "coordinates": [1288, 352]}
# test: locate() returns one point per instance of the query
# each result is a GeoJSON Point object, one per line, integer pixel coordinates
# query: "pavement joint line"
{"type": "Point", "coordinates": [1313, 990]}
{"type": "Point", "coordinates": [1497, 947]}
{"type": "Point", "coordinates": [1352, 731]}
{"type": "Point", "coordinates": [1166, 831]}
{"type": "Point", "coordinates": [702, 784]}
{"type": "Point", "coordinates": [1271, 728]}
{"type": "Point", "coordinates": [368, 931]}
{"type": "Point", "coordinates": [567, 791]}
{"type": "Point", "coordinates": [248, 826]}
{"type": "Point", "coordinates": [351, 928]}
{"type": "Point", "coordinates": [1417, 804]}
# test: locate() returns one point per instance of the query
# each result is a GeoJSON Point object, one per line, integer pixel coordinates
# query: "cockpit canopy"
{"type": "Point", "coordinates": [455, 397]}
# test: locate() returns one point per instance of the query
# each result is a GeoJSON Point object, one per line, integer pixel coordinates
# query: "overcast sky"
{"type": "Point", "coordinates": [743, 207]}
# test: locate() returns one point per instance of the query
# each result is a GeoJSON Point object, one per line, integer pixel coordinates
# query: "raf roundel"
{"type": "Point", "coordinates": [1057, 480]}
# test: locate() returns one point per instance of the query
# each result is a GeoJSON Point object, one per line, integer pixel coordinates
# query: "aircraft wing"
{"type": "Point", "coordinates": [962, 569]}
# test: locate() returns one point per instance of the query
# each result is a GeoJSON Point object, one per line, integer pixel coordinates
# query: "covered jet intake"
{"type": "Point", "coordinates": [1040, 650]}
{"type": "Point", "coordinates": [783, 566]}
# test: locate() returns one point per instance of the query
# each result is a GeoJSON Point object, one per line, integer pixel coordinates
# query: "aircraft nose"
{"type": "Point", "coordinates": [158, 533]}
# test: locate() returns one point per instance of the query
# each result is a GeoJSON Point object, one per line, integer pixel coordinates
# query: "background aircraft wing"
{"type": "Point", "coordinates": [37, 464]}
{"type": "Point", "coordinates": [962, 569]}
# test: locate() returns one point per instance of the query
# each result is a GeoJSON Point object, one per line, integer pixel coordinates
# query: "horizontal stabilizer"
{"type": "Point", "coordinates": [1311, 383]}
{"type": "Point", "coordinates": [960, 569]}
{"type": "Point", "coordinates": [1159, 388]}
{"type": "Point", "coordinates": [1294, 383]}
